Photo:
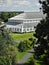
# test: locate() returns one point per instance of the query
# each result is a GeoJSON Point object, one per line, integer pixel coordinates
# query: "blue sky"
{"type": "Point", "coordinates": [19, 5]}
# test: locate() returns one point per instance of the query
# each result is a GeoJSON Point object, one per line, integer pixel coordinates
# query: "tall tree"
{"type": "Point", "coordinates": [8, 51]}
{"type": "Point", "coordinates": [5, 15]}
{"type": "Point", "coordinates": [42, 33]}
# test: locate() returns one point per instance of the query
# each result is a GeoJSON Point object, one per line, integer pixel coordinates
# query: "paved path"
{"type": "Point", "coordinates": [24, 59]}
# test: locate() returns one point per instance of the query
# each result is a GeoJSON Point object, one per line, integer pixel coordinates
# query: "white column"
{"type": "Point", "coordinates": [22, 28]}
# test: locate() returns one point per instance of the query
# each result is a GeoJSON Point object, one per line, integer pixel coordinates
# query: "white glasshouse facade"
{"type": "Point", "coordinates": [24, 22]}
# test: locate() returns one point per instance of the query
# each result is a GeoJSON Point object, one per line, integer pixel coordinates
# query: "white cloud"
{"type": "Point", "coordinates": [18, 4]}
{"type": "Point", "coordinates": [23, 2]}
{"type": "Point", "coordinates": [38, 4]}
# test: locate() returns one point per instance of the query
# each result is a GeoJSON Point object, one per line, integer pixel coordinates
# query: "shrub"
{"type": "Point", "coordinates": [12, 51]}
{"type": "Point", "coordinates": [5, 60]}
{"type": "Point", "coordinates": [31, 39]}
{"type": "Point", "coordinates": [31, 62]}
{"type": "Point", "coordinates": [23, 45]}
{"type": "Point", "coordinates": [9, 55]}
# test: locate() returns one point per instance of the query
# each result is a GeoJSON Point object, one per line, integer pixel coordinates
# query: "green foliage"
{"type": "Point", "coordinates": [42, 33]}
{"type": "Point", "coordinates": [8, 51]}
{"type": "Point", "coordinates": [27, 43]}
{"type": "Point", "coordinates": [12, 51]}
{"type": "Point", "coordinates": [31, 62]}
{"type": "Point", "coordinates": [21, 46]}
{"type": "Point", "coordinates": [31, 39]}
{"type": "Point", "coordinates": [38, 52]}
{"type": "Point", "coordinates": [9, 54]}
{"type": "Point", "coordinates": [5, 15]}
{"type": "Point", "coordinates": [24, 45]}
{"type": "Point", "coordinates": [5, 60]}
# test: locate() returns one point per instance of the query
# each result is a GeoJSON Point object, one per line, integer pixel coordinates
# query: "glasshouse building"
{"type": "Point", "coordinates": [24, 22]}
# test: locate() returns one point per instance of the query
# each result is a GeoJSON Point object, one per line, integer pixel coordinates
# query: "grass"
{"type": "Point", "coordinates": [19, 37]}
{"type": "Point", "coordinates": [37, 62]}
{"type": "Point", "coordinates": [23, 36]}
{"type": "Point", "coordinates": [29, 59]}
{"type": "Point", "coordinates": [22, 54]}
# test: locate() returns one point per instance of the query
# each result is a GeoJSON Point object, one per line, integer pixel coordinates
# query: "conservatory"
{"type": "Point", "coordinates": [24, 22]}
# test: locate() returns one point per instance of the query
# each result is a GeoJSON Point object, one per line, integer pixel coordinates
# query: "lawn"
{"type": "Point", "coordinates": [22, 54]}
{"type": "Point", "coordinates": [19, 37]}
{"type": "Point", "coordinates": [23, 36]}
